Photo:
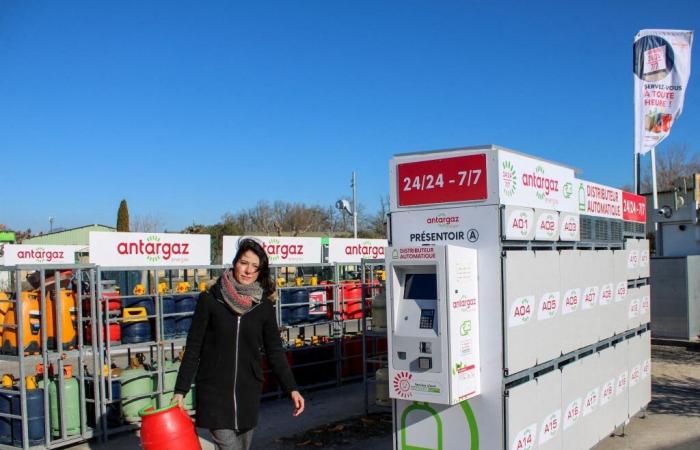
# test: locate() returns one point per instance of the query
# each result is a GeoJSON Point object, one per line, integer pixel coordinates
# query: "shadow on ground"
{"type": "Point", "coordinates": [342, 433]}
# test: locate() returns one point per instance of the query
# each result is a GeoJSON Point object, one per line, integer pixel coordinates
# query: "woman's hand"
{"type": "Point", "coordinates": [180, 400]}
{"type": "Point", "coordinates": [298, 401]}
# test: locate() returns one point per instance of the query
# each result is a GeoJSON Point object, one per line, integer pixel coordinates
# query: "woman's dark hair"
{"type": "Point", "coordinates": [248, 244]}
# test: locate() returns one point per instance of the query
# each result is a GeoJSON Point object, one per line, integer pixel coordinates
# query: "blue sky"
{"type": "Point", "coordinates": [190, 110]}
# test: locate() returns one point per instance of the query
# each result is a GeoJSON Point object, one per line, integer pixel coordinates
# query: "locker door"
{"type": "Point", "coordinates": [621, 303]}
{"type": "Point", "coordinates": [643, 246]}
{"type": "Point", "coordinates": [632, 247]}
{"type": "Point", "coordinates": [591, 291]}
{"type": "Point", "coordinates": [620, 399]}
{"type": "Point", "coordinates": [548, 307]}
{"type": "Point", "coordinates": [645, 304]}
{"type": "Point", "coordinates": [633, 308]}
{"type": "Point", "coordinates": [572, 405]}
{"type": "Point", "coordinates": [520, 310]}
{"type": "Point", "coordinates": [549, 411]}
{"type": "Point", "coordinates": [522, 418]}
{"type": "Point", "coordinates": [591, 400]}
{"type": "Point", "coordinates": [570, 288]}
{"type": "Point", "coordinates": [607, 381]}
{"type": "Point", "coordinates": [606, 301]}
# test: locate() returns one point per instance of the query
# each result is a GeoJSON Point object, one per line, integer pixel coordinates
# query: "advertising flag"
{"type": "Point", "coordinates": [661, 72]}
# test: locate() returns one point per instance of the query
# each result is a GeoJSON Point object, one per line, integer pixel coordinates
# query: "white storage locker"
{"type": "Point", "coordinates": [621, 373]}
{"type": "Point", "coordinates": [571, 288]}
{"type": "Point", "coordinates": [548, 306]}
{"type": "Point", "coordinates": [549, 411]}
{"type": "Point", "coordinates": [521, 310]}
{"type": "Point", "coordinates": [621, 304]}
{"type": "Point", "coordinates": [572, 393]}
{"type": "Point", "coordinates": [632, 247]}
{"type": "Point", "coordinates": [590, 292]}
{"type": "Point", "coordinates": [644, 304]}
{"type": "Point", "coordinates": [643, 246]}
{"type": "Point", "coordinates": [606, 298]}
{"type": "Point", "coordinates": [522, 418]}
{"type": "Point", "coordinates": [590, 368]}
{"type": "Point", "coordinates": [634, 306]}
{"type": "Point", "coordinates": [607, 381]}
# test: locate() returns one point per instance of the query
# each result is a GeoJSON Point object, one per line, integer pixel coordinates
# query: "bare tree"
{"type": "Point", "coordinates": [148, 223]}
{"type": "Point", "coordinates": [673, 162]}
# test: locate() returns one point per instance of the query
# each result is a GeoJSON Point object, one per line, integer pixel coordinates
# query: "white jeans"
{"type": "Point", "coordinates": [231, 440]}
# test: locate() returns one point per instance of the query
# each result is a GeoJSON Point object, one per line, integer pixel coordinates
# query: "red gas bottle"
{"type": "Point", "coordinates": [168, 428]}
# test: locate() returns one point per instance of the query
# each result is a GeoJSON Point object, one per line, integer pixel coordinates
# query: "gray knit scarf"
{"type": "Point", "coordinates": [239, 298]}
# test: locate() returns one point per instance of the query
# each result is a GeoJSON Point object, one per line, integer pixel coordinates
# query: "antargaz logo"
{"type": "Point", "coordinates": [402, 384]}
{"type": "Point", "coordinates": [509, 177]}
{"type": "Point", "coordinates": [540, 182]}
{"type": "Point", "coordinates": [153, 249]}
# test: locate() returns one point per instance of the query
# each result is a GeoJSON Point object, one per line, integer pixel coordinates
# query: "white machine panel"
{"type": "Point", "coordinates": [520, 310]}
{"type": "Point", "coordinates": [621, 304]}
{"type": "Point", "coordinates": [632, 247]}
{"type": "Point", "coordinates": [590, 291]}
{"type": "Point", "coordinates": [572, 393]}
{"type": "Point", "coordinates": [522, 419]}
{"type": "Point", "coordinates": [434, 323]}
{"type": "Point", "coordinates": [643, 245]}
{"type": "Point", "coordinates": [571, 288]}
{"type": "Point", "coordinates": [548, 298]}
{"type": "Point", "coordinates": [634, 306]}
{"type": "Point", "coordinates": [607, 380]}
{"type": "Point", "coordinates": [548, 404]}
{"type": "Point", "coordinates": [644, 304]}
{"type": "Point", "coordinates": [606, 299]}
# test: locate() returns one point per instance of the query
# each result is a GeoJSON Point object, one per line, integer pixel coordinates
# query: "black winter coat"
{"type": "Point", "coordinates": [224, 349]}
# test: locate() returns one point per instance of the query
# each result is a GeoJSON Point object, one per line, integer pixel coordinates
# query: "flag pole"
{"type": "Point", "coordinates": [658, 239]}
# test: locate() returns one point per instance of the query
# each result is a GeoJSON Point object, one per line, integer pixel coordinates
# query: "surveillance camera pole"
{"type": "Point", "coordinates": [354, 206]}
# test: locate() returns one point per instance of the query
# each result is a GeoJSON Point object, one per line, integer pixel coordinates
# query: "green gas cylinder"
{"type": "Point", "coordinates": [171, 369]}
{"type": "Point", "coordinates": [70, 404]}
{"type": "Point", "coordinates": [136, 383]}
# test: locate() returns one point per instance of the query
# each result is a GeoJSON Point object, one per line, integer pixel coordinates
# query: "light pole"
{"type": "Point", "coordinates": [345, 207]}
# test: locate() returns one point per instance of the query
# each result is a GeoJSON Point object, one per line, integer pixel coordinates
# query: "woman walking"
{"type": "Point", "coordinates": [232, 322]}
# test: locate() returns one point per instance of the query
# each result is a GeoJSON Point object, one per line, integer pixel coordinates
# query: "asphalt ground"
{"type": "Point", "coordinates": [335, 418]}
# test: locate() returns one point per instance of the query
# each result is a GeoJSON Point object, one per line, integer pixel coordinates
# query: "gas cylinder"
{"type": "Point", "coordinates": [68, 318]}
{"type": "Point", "coordinates": [6, 408]}
{"type": "Point", "coordinates": [30, 328]}
{"type": "Point", "coordinates": [351, 300]}
{"type": "Point", "coordinates": [167, 428]}
{"type": "Point", "coordinates": [135, 381]}
{"type": "Point", "coordinates": [379, 311]}
{"type": "Point", "coordinates": [184, 303]}
{"type": "Point", "coordinates": [35, 416]}
{"type": "Point", "coordinates": [171, 369]}
{"type": "Point", "coordinates": [382, 387]}
{"type": "Point", "coordinates": [136, 326]}
{"type": "Point", "coordinates": [70, 406]}
{"type": "Point", "coordinates": [4, 307]}
{"type": "Point", "coordinates": [169, 323]}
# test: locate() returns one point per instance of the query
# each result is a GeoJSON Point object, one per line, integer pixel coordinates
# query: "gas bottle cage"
{"type": "Point", "coordinates": [75, 393]}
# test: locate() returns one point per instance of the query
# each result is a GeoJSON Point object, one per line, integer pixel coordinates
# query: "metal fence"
{"type": "Point", "coordinates": [68, 331]}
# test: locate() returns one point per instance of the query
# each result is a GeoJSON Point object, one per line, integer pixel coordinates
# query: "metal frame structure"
{"type": "Point", "coordinates": [101, 352]}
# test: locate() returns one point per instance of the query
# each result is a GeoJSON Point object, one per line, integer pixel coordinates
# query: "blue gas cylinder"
{"type": "Point", "coordinates": [35, 418]}
{"type": "Point", "coordinates": [184, 304]}
{"type": "Point", "coordinates": [5, 428]}
{"type": "Point", "coordinates": [136, 326]}
{"type": "Point", "coordinates": [299, 312]}
{"type": "Point", "coordinates": [169, 323]}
